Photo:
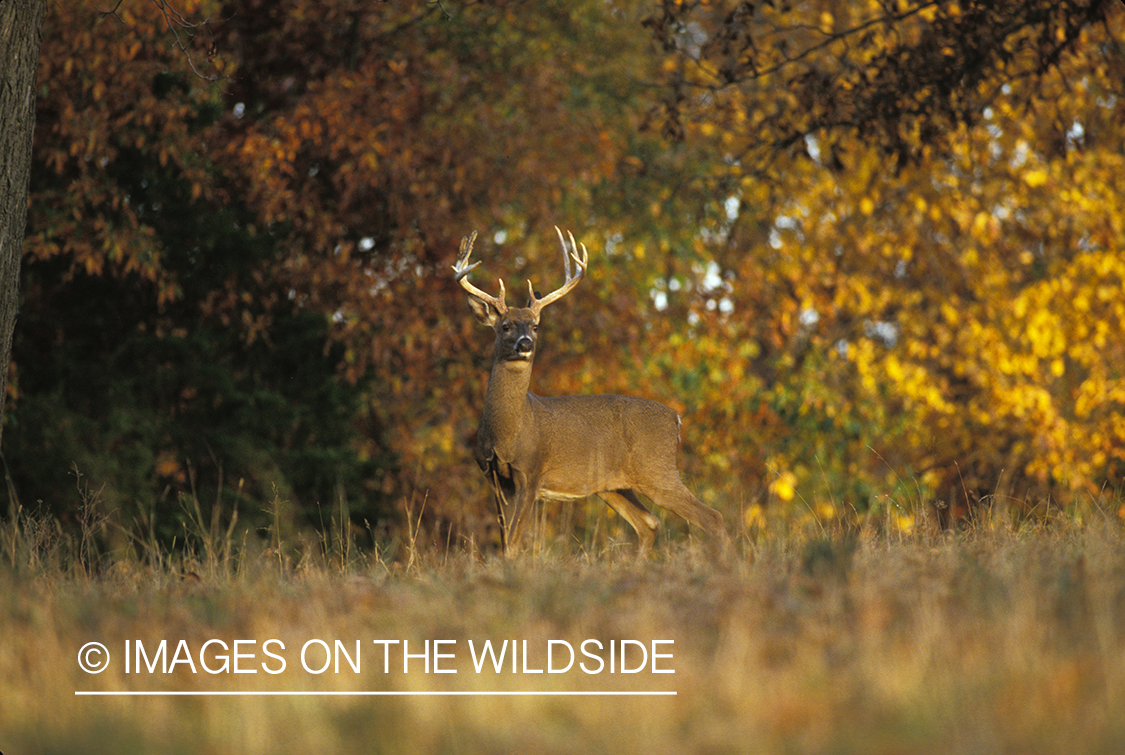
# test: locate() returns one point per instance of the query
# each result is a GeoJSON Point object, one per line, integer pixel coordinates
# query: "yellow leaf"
{"type": "Point", "coordinates": [1035, 178]}
{"type": "Point", "coordinates": [784, 487]}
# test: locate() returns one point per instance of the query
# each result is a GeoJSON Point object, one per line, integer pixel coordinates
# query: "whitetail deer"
{"type": "Point", "coordinates": [568, 447]}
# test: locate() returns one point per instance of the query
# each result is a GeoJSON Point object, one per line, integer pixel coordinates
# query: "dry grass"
{"type": "Point", "coordinates": [986, 641]}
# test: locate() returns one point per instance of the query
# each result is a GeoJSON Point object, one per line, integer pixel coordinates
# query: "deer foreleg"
{"type": "Point", "coordinates": [501, 508]}
{"type": "Point", "coordinates": [512, 492]}
{"type": "Point", "coordinates": [519, 497]}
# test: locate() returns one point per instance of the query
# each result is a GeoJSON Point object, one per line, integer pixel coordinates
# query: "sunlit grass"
{"type": "Point", "coordinates": [835, 636]}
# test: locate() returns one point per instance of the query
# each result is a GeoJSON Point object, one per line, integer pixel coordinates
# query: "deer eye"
{"type": "Point", "coordinates": [505, 326]}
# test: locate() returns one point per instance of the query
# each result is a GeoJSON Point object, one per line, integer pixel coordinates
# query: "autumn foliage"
{"type": "Point", "coordinates": [870, 251]}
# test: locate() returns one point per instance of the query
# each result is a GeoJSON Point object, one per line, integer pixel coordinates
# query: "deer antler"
{"type": "Point", "coordinates": [572, 275]}
{"type": "Point", "coordinates": [462, 268]}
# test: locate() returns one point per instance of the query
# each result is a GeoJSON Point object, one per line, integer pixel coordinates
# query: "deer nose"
{"type": "Point", "coordinates": [523, 344]}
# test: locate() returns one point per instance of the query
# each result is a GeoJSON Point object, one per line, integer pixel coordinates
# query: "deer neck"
{"type": "Point", "coordinates": [506, 402]}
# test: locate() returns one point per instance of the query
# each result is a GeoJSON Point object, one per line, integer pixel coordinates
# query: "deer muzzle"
{"type": "Point", "coordinates": [524, 345]}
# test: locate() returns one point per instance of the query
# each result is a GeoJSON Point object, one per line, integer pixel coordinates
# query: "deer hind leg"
{"type": "Point", "coordinates": [678, 499]}
{"type": "Point", "coordinates": [626, 503]}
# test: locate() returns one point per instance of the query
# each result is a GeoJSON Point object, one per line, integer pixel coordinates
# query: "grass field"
{"type": "Point", "coordinates": [988, 640]}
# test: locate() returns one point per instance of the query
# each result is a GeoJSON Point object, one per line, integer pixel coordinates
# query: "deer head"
{"type": "Point", "coordinates": [517, 327]}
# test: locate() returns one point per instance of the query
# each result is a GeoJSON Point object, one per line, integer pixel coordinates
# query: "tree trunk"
{"type": "Point", "coordinates": [21, 23]}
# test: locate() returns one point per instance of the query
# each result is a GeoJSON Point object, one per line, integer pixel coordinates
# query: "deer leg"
{"type": "Point", "coordinates": [679, 500]}
{"type": "Point", "coordinates": [504, 490]}
{"type": "Point", "coordinates": [511, 493]}
{"type": "Point", "coordinates": [626, 503]}
{"type": "Point", "coordinates": [520, 499]}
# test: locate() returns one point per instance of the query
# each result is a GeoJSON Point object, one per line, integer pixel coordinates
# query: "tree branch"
{"type": "Point", "coordinates": [176, 23]}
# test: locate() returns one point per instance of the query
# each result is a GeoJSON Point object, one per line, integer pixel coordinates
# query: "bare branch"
{"type": "Point", "coordinates": [112, 11]}
{"type": "Point", "coordinates": [449, 16]}
{"type": "Point", "coordinates": [177, 23]}
{"type": "Point", "coordinates": [175, 19]}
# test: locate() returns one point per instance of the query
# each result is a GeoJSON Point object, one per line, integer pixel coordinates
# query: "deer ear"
{"type": "Point", "coordinates": [486, 313]}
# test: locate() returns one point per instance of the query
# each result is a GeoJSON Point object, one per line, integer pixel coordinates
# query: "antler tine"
{"type": "Point", "coordinates": [567, 267]}
{"type": "Point", "coordinates": [574, 253]}
{"type": "Point", "coordinates": [463, 256]}
{"type": "Point", "coordinates": [572, 275]}
{"type": "Point", "coordinates": [462, 268]}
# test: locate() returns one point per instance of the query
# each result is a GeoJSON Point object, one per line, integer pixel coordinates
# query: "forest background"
{"type": "Point", "coordinates": [871, 252]}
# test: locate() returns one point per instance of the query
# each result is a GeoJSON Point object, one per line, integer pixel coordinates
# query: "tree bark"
{"type": "Point", "coordinates": [21, 24]}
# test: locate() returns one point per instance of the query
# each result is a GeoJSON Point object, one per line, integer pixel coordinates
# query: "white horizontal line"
{"type": "Point", "coordinates": [368, 693]}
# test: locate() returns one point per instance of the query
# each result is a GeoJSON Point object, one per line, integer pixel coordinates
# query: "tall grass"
{"type": "Point", "coordinates": [879, 635]}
